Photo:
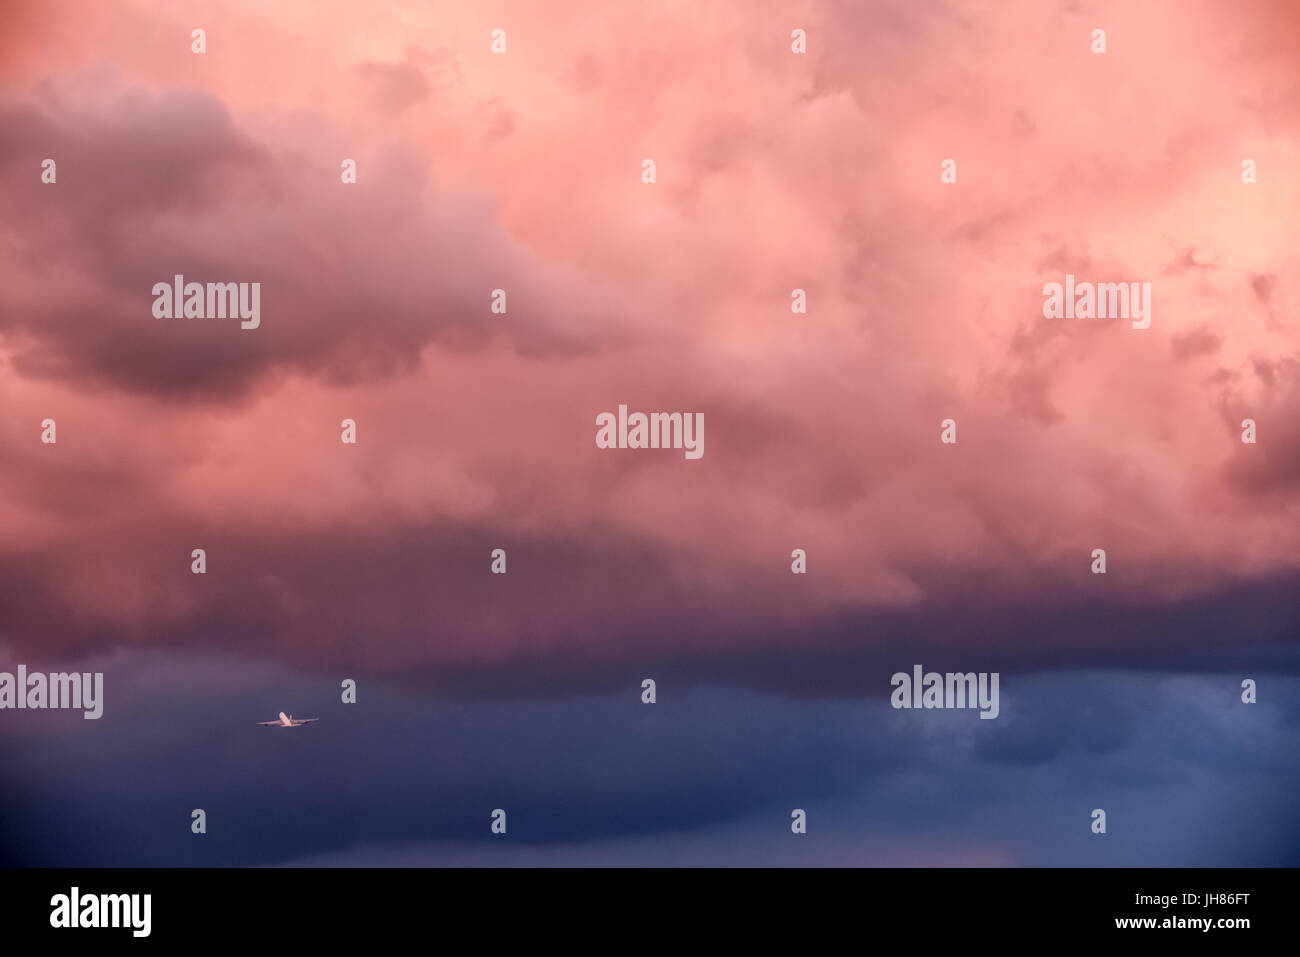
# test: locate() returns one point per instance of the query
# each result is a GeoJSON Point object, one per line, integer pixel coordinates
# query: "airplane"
{"type": "Point", "coordinates": [289, 721]}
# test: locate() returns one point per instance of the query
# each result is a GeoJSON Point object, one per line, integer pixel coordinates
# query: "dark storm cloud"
{"type": "Point", "coordinates": [354, 279]}
{"type": "Point", "coordinates": [1187, 773]}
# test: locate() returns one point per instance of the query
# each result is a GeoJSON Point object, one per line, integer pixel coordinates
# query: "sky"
{"type": "Point", "coordinates": [775, 171]}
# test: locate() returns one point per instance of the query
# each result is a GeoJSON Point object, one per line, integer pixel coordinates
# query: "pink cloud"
{"type": "Point", "coordinates": [776, 172]}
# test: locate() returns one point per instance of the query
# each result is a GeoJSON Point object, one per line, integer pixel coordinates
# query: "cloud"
{"type": "Point", "coordinates": [776, 172]}
{"type": "Point", "coordinates": [707, 776]}
{"type": "Point", "coordinates": [353, 284]}
{"type": "Point", "coordinates": [476, 430]}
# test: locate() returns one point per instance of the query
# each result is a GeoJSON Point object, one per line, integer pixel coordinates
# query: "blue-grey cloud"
{"type": "Point", "coordinates": [1186, 772]}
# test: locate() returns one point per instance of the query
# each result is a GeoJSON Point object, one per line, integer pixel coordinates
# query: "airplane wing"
{"type": "Point", "coordinates": [268, 722]}
{"type": "Point", "coordinates": [304, 720]}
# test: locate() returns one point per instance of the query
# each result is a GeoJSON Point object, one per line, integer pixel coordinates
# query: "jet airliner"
{"type": "Point", "coordinates": [288, 721]}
